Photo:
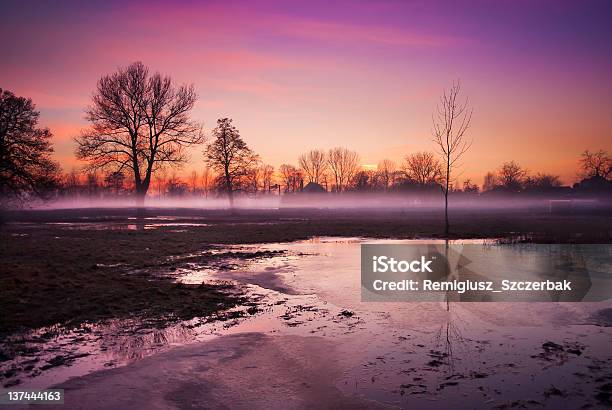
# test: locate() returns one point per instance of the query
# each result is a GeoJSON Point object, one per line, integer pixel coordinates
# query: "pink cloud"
{"type": "Point", "coordinates": [344, 32]}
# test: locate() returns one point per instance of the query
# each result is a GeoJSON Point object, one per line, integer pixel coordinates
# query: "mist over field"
{"type": "Point", "coordinates": [352, 201]}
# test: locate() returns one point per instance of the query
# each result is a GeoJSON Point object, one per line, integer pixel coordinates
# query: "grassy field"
{"type": "Point", "coordinates": [73, 266]}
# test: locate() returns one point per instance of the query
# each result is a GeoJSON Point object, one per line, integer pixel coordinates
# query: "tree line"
{"type": "Point", "coordinates": [140, 126]}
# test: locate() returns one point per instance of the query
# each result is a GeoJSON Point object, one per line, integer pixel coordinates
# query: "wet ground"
{"type": "Point", "coordinates": [306, 340]}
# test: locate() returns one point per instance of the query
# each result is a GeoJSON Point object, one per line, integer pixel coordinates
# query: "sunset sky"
{"type": "Point", "coordinates": [366, 75]}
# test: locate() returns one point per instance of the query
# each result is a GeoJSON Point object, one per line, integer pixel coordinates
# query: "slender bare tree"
{"type": "Point", "coordinates": [451, 121]}
{"type": "Point", "coordinates": [344, 164]}
{"type": "Point", "coordinates": [267, 174]}
{"type": "Point", "coordinates": [194, 182]}
{"type": "Point", "coordinates": [423, 168]}
{"type": "Point", "coordinates": [207, 180]}
{"type": "Point", "coordinates": [490, 181]}
{"type": "Point", "coordinates": [314, 165]}
{"type": "Point", "coordinates": [386, 172]}
{"type": "Point", "coordinates": [26, 166]}
{"type": "Point", "coordinates": [161, 181]}
{"type": "Point", "coordinates": [139, 121]}
{"type": "Point", "coordinates": [230, 156]}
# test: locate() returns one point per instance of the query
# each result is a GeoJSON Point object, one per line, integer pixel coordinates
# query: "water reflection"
{"type": "Point", "coordinates": [402, 354]}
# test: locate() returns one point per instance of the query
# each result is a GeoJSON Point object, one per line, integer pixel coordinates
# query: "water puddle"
{"type": "Point", "coordinates": [401, 354]}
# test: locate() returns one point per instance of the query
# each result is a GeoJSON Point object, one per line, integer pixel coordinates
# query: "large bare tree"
{"type": "Point", "coordinates": [26, 166]}
{"type": "Point", "coordinates": [451, 121]}
{"type": "Point", "coordinates": [140, 122]}
{"type": "Point", "coordinates": [344, 164]}
{"type": "Point", "coordinates": [314, 165]}
{"type": "Point", "coordinates": [230, 156]}
{"type": "Point", "coordinates": [423, 168]}
{"type": "Point", "coordinates": [596, 164]}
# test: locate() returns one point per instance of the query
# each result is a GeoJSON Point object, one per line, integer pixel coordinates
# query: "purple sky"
{"type": "Point", "coordinates": [366, 75]}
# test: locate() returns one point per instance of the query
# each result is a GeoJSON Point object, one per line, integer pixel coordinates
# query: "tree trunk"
{"type": "Point", "coordinates": [230, 192]}
{"type": "Point", "coordinates": [140, 198]}
{"type": "Point", "coordinates": [446, 224]}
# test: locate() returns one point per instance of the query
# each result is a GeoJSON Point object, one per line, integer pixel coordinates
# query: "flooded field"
{"type": "Point", "coordinates": [306, 338]}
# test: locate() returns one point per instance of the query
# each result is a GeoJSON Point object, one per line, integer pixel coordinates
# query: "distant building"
{"type": "Point", "coordinates": [594, 184]}
{"type": "Point", "coordinates": [313, 188]}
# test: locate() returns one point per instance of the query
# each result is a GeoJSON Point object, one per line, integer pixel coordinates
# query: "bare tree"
{"type": "Point", "coordinates": [229, 155]}
{"type": "Point", "coordinates": [490, 181]}
{"type": "Point", "coordinates": [511, 176]}
{"type": "Point", "coordinates": [542, 181]}
{"type": "Point", "coordinates": [93, 184]}
{"type": "Point", "coordinates": [267, 174]}
{"type": "Point", "coordinates": [314, 165]}
{"type": "Point", "coordinates": [26, 166]}
{"type": "Point", "coordinates": [386, 173]}
{"type": "Point", "coordinates": [72, 183]}
{"type": "Point", "coordinates": [161, 180]}
{"type": "Point", "coordinates": [469, 186]}
{"type": "Point", "coordinates": [139, 122]}
{"type": "Point", "coordinates": [207, 180]}
{"type": "Point", "coordinates": [344, 164]}
{"type": "Point", "coordinates": [451, 121]}
{"type": "Point", "coordinates": [253, 178]}
{"type": "Point", "coordinates": [423, 168]}
{"type": "Point", "coordinates": [176, 187]}
{"type": "Point", "coordinates": [114, 181]}
{"type": "Point", "coordinates": [364, 181]}
{"type": "Point", "coordinates": [291, 177]}
{"type": "Point", "coordinates": [596, 164]}
{"type": "Point", "coordinates": [194, 181]}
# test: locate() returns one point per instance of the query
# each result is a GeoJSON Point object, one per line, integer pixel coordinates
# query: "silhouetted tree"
{"type": "Point", "coordinates": [114, 181]}
{"type": "Point", "coordinates": [71, 184]}
{"type": "Point", "coordinates": [267, 175]}
{"type": "Point", "coordinates": [386, 170]}
{"type": "Point", "coordinates": [229, 155]}
{"type": "Point", "coordinates": [542, 181]}
{"type": "Point", "coordinates": [451, 120]}
{"type": "Point", "coordinates": [596, 164]}
{"type": "Point", "coordinates": [253, 178]}
{"type": "Point", "coordinates": [343, 164]}
{"type": "Point", "coordinates": [490, 181]}
{"type": "Point", "coordinates": [161, 182]}
{"type": "Point", "coordinates": [291, 177]}
{"type": "Point", "coordinates": [314, 165]}
{"type": "Point", "coordinates": [363, 181]}
{"type": "Point", "coordinates": [207, 180]}
{"type": "Point", "coordinates": [139, 122]}
{"type": "Point", "coordinates": [194, 181]}
{"type": "Point", "coordinates": [26, 166]}
{"type": "Point", "coordinates": [93, 184]}
{"type": "Point", "coordinates": [468, 186]}
{"type": "Point", "coordinates": [423, 168]}
{"type": "Point", "coordinates": [177, 188]}
{"type": "Point", "coordinates": [511, 176]}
